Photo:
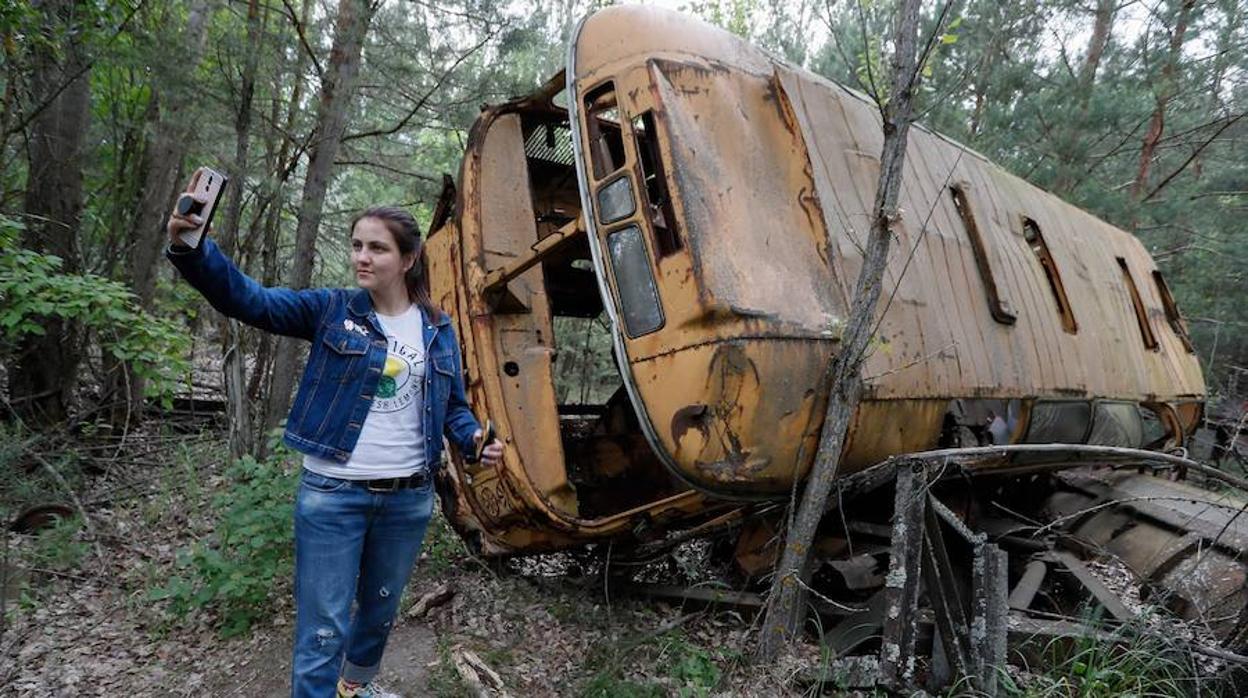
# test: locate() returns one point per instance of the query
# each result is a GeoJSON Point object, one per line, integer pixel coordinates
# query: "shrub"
{"type": "Point", "coordinates": [236, 572]}
{"type": "Point", "coordinates": [33, 288]}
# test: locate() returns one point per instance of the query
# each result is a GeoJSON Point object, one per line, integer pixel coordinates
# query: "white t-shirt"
{"type": "Point", "coordinates": [392, 439]}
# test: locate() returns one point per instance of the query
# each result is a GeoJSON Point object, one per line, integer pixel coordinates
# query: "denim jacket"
{"type": "Point", "coordinates": [346, 359]}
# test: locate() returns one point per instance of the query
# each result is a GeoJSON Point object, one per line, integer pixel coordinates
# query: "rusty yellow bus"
{"type": "Point", "coordinates": [704, 205]}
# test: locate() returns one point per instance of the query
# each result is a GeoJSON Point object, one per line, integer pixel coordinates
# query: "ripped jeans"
{"type": "Point", "coordinates": [351, 545]}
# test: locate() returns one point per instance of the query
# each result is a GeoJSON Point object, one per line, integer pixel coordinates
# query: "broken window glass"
{"type": "Point", "coordinates": [1177, 323]}
{"type": "Point", "coordinates": [602, 120]}
{"type": "Point", "coordinates": [658, 204]}
{"type": "Point", "coordinates": [634, 282]}
{"type": "Point", "coordinates": [616, 201]}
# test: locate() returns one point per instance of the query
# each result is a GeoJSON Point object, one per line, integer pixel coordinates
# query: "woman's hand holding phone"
{"type": "Point", "coordinates": [180, 224]}
{"type": "Point", "coordinates": [192, 214]}
{"type": "Point", "coordinates": [489, 448]}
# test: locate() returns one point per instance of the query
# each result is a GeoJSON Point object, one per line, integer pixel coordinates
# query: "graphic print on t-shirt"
{"type": "Point", "coordinates": [396, 388]}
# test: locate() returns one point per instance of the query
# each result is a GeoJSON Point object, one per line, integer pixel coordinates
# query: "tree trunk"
{"type": "Point", "coordinates": [42, 376]}
{"type": "Point", "coordinates": [162, 158]}
{"type": "Point", "coordinates": [786, 604]}
{"type": "Point", "coordinates": [238, 412]}
{"type": "Point", "coordinates": [161, 166]}
{"type": "Point", "coordinates": [985, 70]}
{"type": "Point", "coordinates": [1069, 153]}
{"type": "Point", "coordinates": [1232, 18]}
{"type": "Point", "coordinates": [12, 78]}
{"type": "Point", "coordinates": [1165, 92]}
{"type": "Point", "coordinates": [278, 163]}
{"type": "Point", "coordinates": [337, 90]}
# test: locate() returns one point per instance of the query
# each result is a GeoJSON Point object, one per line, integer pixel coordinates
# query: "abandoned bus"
{"type": "Point", "coordinates": [695, 209]}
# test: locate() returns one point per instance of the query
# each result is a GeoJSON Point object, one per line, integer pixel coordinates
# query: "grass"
{"type": "Point", "coordinates": [444, 681]}
{"type": "Point", "coordinates": [238, 570]}
{"type": "Point", "coordinates": [1127, 663]}
{"type": "Point", "coordinates": [58, 547]}
{"type": "Point", "coordinates": [443, 549]}
{"type": "Point", "coordinates": [682, 668]}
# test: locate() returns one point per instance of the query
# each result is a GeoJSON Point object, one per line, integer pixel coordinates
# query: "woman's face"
{"type": "Point", "coordinates": [375, 255]}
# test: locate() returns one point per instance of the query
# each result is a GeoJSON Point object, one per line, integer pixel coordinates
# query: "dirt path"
{"type": "Point", "coordinates": [405, 669]}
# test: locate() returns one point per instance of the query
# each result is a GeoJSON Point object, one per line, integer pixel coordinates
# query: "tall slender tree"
{"type": "Point", "coordinates": [338, 85]}
{"type": "Point", "coordinates": [786, 604]}
{"type": "Point", "coordinates": [170, 133]}
{"type": "Point", "coordinates": [1068, 151]}
{"type": "Point", "coordinates": [42, 378]}
{"type": "Point", "coordinates": [1166, 89]}
{"type": "Point", "coordinates": [234, 379]}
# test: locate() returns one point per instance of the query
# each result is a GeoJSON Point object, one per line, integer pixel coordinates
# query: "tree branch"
{"type": "Point", "coordinates": [303, 39]}
{"type": "Point", "coordinates": [86, 68]}
{"type": "Point", "coordinates": [1195, 153]}
{"type": "Point", "coordinates": [420, 103]}
{"type": "Point", "coordinates": [387, 168]}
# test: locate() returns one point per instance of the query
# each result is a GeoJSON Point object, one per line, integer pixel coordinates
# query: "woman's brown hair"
{"type": "Point", "coordinates": [402, 226]}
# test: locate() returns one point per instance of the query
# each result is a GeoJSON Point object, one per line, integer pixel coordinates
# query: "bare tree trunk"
{"type": "Point", "coordinates": [1068, 150]}
{"type": "Point", "coordinates": [161, 165]}
{"type": "Point", "coordinates": [279, 155]}
{"type": "Point", "coordinates": [337, 90]}
{"type": "Point", "coordinates": [162, 158]}
{"type": "Point", "coordinates": [42, 377]}
{"type": "Point", "coordinates": [984, 73]}
{"type": "Point", "coordinates": [238, 412]}
{"type": "Point", "coordinates": [786, 605]}
{"type": "Point", "coordinates": [1165, 92]}
{"type": "Point", "coordinates": [12, 79]}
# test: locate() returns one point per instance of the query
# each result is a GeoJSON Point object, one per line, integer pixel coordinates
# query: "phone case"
{"type": "Point", "coordinates": [209, 184]}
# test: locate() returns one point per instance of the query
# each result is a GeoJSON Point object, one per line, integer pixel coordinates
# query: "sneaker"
{"type": "Point", "coordinates": [369, 690]}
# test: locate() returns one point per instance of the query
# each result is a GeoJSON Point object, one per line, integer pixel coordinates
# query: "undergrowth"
{"type": "Point", "coordinates": [1126, 662]}
{"type": "Point", "coordinates": [237, 571]}
{"type": "Point", "coordinates": [687, 670]}
{"type": "Point", "coordinates": [442, 548]}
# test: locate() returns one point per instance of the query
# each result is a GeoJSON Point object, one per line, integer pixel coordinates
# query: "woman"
{"type": "Point", "coordinates": [381, 386]}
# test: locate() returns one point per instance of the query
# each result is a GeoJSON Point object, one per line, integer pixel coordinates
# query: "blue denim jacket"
{"type": "Point", "coordinates": [346, 359]}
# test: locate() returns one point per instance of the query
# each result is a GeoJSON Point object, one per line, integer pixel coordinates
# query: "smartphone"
{"type": "Point", "coordinates": [208, 184]}
{"type": "Point", "coordinates": [487, 437]}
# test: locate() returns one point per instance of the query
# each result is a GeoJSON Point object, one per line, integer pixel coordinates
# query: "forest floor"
{"type": "Point", "coordinates": [81, 619]}
{"type": "Point", "coordinates": [88, 610]}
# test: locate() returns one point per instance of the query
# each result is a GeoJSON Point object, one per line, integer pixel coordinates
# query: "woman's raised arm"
{"type": "Point", "coordinates": [294, 313]}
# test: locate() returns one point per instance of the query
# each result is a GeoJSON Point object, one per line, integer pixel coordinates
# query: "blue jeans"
{"type": "Point", "coordinates": [350, 545]}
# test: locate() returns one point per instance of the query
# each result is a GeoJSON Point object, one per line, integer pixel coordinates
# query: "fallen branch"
{"type": "Point", "coordinates": [438, 597]}
{"type": "Point", "coordinates": [82, 511]}
{"type": "Point", "coordinates": [477, 674]}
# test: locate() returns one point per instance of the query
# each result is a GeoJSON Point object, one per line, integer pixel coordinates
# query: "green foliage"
{"type": "Point", "coordinates": [692, 671]}
{"type": "Point", "coordinates": [58, 548]}
{"type": "Point", "coordinates": [237, 571]}
{"type": "Point", "coordinates": [585, 372]}
{"type": "Point", "coordinates": [443, 548]}
{"type": "Point", "coordinates": [33, 289]}
{"type": "Point", "coordinates": [1090, 667]}
{"type": "Point", "coordinates": [737, 16]}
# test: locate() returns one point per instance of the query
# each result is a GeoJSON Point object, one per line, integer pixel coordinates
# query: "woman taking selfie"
{"type": "Point", "coordinates": [381, 387]}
